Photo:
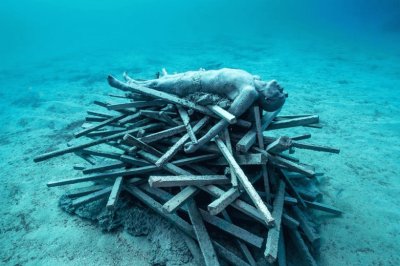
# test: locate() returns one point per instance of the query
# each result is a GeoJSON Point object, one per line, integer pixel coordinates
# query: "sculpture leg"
{"type": "Point", "coordinates": [241, 103]}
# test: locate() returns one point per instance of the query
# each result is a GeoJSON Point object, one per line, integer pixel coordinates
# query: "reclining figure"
{"type": "Point", "coordinates": [239, 86]}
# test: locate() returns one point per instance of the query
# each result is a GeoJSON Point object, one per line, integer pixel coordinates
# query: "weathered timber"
{"type": "Point", "coordinates": [78, 167]}
{"type": "Point", "coordinates": [306, 227]}
{"type": "Point", "coordinates": [137, 104]}
{"type": "Point", "coordinates": [245, 159]}
{"type": "Point", "coordinates": [271, 249]}
{"type": "Point", "coordinates": [245, 183]}
{"type": "Point", "coordinates": [91, 197]}
{"type": "Point", "coordinates": [179, 144]}
{"type": "Point", "coordinates": [186, 121]}
{"type": "Point", "coordinates": [228, 142]}
{"type": "Point", "coordinates": [222, 113]}
{"type": "Point", "coordinates": [301, 137]}
{"type": "Point", "coordinates": [206, 246]}
{"type": "Point", "coordinates": [99, 114]}
{"type": "Point", "coordinates": [141, 145]}
{"type": "Point", "coordinates": [163, 134]}
{"type": "Point", "coordinates": [228, 255]}
{"type": "Point", "coordinates": [281, 250]}
{"type": "Point", "coordinates": [187, 180]}
{"type": "Point", "coordinates": [314, 147]}
{"type": "Point", "coordinates": [98, 126]}
{"type": "Point", "coordinates": [129, 118]}
{"type": "Point", "coordinates": [279, 145]}
{"type": "Point", "coordinates": [242, 246]}
{"type": "Point", "coordinates": [281, 117]}
{"type": "Point", "coordinates": [289, 164]}
{"type": "Point", "coordinates": [116, 189]}
{"type": "Point", "coordinates": [95, 119]}
{"type": "Point", "coordinates": [260, 140]}
{"type": "Point", "coordinates": [56, 153]}
{"type": "Point", "coordinates": [294, 122]}
{"type": "Point", "coordinates": [79, 192]}
{"type": "Point", "coordinates": [292, 188]}
{"type": "Point", "coordinates": [323, 207]}
{"type": "Point", "coordinates": [134, 161]}
{"type": "Point", "coordinates": [249, 138]}
{"type": "Point", "coordinates": [232, 229]}
{"type": "Point", "coordinates": [223, 201]}
{"type": "Point", "coordinates": [302, 247]}
{"type": "Point", "coordinates": [104, 133]}
{"type": "Point", "coordinates": [110, 155]}
{"type": "Point", "coordinates": [103, 168]}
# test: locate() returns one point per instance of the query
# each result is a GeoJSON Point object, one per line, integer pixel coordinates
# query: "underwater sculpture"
{"type": "Point", "coordinates": [239, 86]}
{"type": "Point", "coordinates": [244, 183]}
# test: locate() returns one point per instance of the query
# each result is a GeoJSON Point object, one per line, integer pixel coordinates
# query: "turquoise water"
{"type": "Point", "coordinates": [338, 59]}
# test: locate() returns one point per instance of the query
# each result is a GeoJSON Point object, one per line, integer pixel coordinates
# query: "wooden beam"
{"type": "Point", "coordinates": [271, 249]}
{"type": "Point", "coordinates": [223, 201]}
{"type": "Point", "coordinates": [249, 138]}
{"type": "Point", "coordinates": [232, 229]}
{"type": "Point", "coordinates": [229, 146]}
{"type": "Point", "coordinates": [98, 126]}
{"type": "Point", "coordinates": [302, 247]}
{"type": "Point", "coordinates": [163, 134]}
{"type": "Point", "coordinates": [294, 122]}
{"type": "Point", "coordinates": [56, 153]}
{"type": "Point", "coordinates": [136, 104]}
{"type": "Point", "coordinates": [91, 197]}
{"type": "Point", "coordinates": [186, 121]}
{"type": "Point", "coordinates": [292, 188]}
{"type": "Point", "coordinates": [116, 189]}
{"type": "Point", "coordinates": [187, 180]}
{"type": "Point", "coordinates": [79, 192]}
{"type": "Point", "coordinates": [314, 147]}
{"type": "Point", "coordinates": [244, 159]}
{"type": "Point", "coordinates": [222, 113]}
{"type": "Point", "coordinates": [245, 183]}
{"type": "Point", "coordinates": [131, 140]}
{"type": "Point", "coordinates": [306, 227]}
{"type": "Point", "coordinates": [207, 249]}
{"type": "Point", "coordinates": [103, 168]}
{"type": "Point", "coordinates": [323, 207]}
{"type": "Point", "coordinates": [279, 145]}
{"type": "Point", "coordinates": [179, 144]}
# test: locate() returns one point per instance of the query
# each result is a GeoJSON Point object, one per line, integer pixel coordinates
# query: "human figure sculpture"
{"type": "Point", "coordinates": [239, 86]}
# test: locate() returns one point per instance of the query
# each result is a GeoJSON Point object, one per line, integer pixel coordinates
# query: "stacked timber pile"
{"type": "Point", "coordinates": [243, 197]}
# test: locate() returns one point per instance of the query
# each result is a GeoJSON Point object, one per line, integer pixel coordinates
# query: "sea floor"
{"type": "Point", "coordinates": [354, 89]}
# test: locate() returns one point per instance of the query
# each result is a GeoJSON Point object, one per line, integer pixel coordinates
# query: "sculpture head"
{"type": "Point", "coordinates": [272, 97]}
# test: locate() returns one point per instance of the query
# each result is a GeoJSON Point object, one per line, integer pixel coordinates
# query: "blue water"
{"type": "Point", "coordinates": [339, 59]}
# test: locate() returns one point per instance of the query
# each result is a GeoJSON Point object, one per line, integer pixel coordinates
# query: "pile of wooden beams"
{"type": "Point", "coordinates": [243, 197]}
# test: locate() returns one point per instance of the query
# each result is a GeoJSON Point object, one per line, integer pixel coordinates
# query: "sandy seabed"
{"type": "Point", "coordinates": [354, 89]}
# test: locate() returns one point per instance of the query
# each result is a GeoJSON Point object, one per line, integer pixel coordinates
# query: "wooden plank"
{"type": "Point", "coordinates": [289, 164]}
{"type": "Point", "coordinates": [302, 247]}
{"type": "Point", "coordinates": [116, 189]}
{"type": "Point", "coordinates": [260, 140]}
{"type": "Point", "coordinates": [103, 168]}
{"type": "Point", "coordinates": [249, 138]}
{"type": "Point", "coordinates": [79, 192]}
{"type": "Point", "coordinates": [56, 153]}
{"type": "Point", "coordinates": [232, 229]}
{"type": "Point", "coordinates": [110, 155]}
{"type": "Point", "coordinates": [129, 118]}
{"type": "Point", "coordinates": [99, 114]}
{"type": "Point", "coordinates": [134, 161]}
{"type": "Point", "coordinates": [136, 104]}
{"type": "Point", "coordinates": [179, 144]}
{"type": "Point", "coordinates": [131, 140]}
{"type": "Point", "coordinates": [91, 197]}
{"type": "Point", "coordinates": [292, 188]}
{"type": "Point", "coordinates": [271, 249]}
{"type": "Point", "coordinates": [98, 126]}
{"type": "Point", "coordinates": [244, 159]}
{"type": "Point", "coordinates": [223, 201]}
{"type": "Point", "coordinates": [182, 224]}
{"type": "Point", "coordinates": [314, 147]}
{"type": "Point", "coordinates": [186, 121]}
{"type": "Point", "coordinates": [207, 249]}
{"type": "Point", "coordinates": [163, 134]}
{"type": "Point", "coordinates": [294, 122]}
{"type": "Point", "coordinates": [187, 180]}
{"type": "Point", "coordinates": [245, 183]}
{"type": "Point", "coordinates": [242, 246]}
{"type": "Point", "coordinates": [292, 116]}
{"type": "Point", "coordinates": [229, 146]}
{"type": "Point", "coordinates": [323, 207]}
{"type": "Point", "coordinates": [228, 255]}
{"type": "Point", "coordinates": [306, 227]}
{"type": "Point", "coordinates": [279, 145]}
{"type": "Point", "coordinates": [104, 133]}
{"type": "Point", "coordinates": [281, 250]}
{"type": "Point", "coordinates": [222, 113]}
{"type": "Point", "coordinates": [301, 137]}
